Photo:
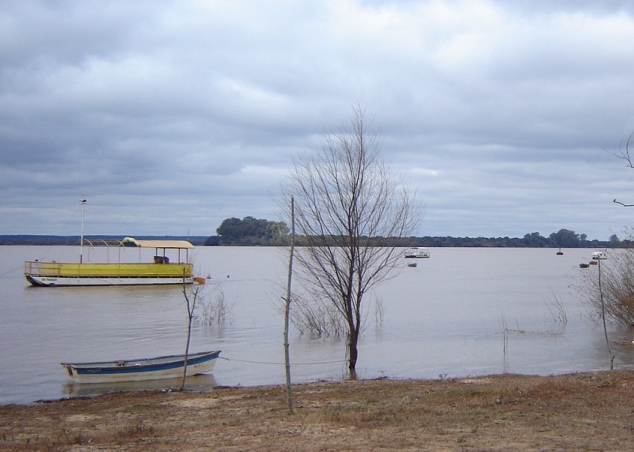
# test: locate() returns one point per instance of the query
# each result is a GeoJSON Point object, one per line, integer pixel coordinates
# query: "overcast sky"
{"type": "Point", "coordinates": [170, 116]}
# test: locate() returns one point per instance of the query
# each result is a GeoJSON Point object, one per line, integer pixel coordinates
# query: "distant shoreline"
{"type": "Point", "coordinates": [68, 240]}
{"type": "Point", "coordinates": [426, 241]}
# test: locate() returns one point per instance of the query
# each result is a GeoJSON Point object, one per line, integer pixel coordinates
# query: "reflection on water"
{"type": "Point", "coordinates": [464, 311]}
{"type": "Point", "coordinates": [196, 383]}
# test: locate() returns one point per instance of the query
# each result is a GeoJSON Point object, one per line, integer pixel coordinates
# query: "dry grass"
{"type": "Point", "coordinates": [507, 412]}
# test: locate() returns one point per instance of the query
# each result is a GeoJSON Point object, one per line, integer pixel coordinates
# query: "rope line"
{"type": "Point", "coordinates": [12, 270]}
{"type": "Point", "coordinates": [280, 364]}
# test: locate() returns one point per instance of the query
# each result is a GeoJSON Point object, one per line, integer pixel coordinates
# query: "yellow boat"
{"type": "Point", "coordinates": [160, 270]}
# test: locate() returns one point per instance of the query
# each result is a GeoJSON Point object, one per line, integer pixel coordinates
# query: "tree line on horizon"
{"type": "Point", "coordinates": [250, 231]}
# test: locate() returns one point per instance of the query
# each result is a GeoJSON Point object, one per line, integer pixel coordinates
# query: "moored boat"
{"type": "Point", "coordinates": [416, 252]}
{"type": "Point", "coordinates": [141, 369]}
{"type": "Point", "coordinates": [160, 270]}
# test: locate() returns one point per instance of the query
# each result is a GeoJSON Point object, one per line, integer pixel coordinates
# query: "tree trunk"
{"type": "Point", "coordinates": [353, 353]}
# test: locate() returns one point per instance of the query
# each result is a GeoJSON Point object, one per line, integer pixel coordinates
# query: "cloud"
{"type": "Point", "coordinates": [172, 116]}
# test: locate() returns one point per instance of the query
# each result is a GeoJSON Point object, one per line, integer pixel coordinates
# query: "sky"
{"type": "Point", "coordinates": [502, 116]}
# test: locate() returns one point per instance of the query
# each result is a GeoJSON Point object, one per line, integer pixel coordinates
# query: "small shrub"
{"type": "Point", "coordinates": [215, 312]}
{"type": "Point", "coordinates": [611, 284]}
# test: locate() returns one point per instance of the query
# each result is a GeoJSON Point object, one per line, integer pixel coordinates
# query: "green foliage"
{"type": "Point", "coordinates": [565, 238]}
{"type": "Point", "coordinates": [277, 234]}
{"type": "Point", "coordinates": [250, 231]}
{"type": "Point", "coordinates": [535, 240]}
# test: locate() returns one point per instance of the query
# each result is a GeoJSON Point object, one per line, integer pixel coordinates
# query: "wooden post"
{"type": "Point", "coordinates": [605, 328]}
{"type": "Point", "coordinates": [289, 395]}
{"type": "Point", "coordinates": [191, 305]}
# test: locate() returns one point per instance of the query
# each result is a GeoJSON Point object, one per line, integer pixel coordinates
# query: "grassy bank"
{"type": "Point", "coordinates": [588, 411]}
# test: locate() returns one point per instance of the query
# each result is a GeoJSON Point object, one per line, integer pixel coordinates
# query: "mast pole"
{"type": "Point", "coordinates": [81, 240]}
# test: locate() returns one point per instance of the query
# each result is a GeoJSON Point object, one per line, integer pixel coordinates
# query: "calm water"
{"type": "Point", "coordinates": [444, 318]}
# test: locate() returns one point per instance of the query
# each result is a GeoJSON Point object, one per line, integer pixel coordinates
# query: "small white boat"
{"type": "Point", "coordinates": [141, 369]}
{"type": "Point", "coordinates": [599, 255]}
{"type": "Point", "coordinates": [415, 252]}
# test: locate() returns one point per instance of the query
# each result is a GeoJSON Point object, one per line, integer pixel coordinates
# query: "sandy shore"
{"type": "Point", "coordinates": [587, 411]}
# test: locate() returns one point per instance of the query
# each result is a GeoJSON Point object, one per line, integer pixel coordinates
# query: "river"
{"type": "Point", "coordinates": [462, 312]}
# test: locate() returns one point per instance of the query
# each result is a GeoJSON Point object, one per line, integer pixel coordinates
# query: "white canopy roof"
{"type": "Point", "coordinates": [175, 244]}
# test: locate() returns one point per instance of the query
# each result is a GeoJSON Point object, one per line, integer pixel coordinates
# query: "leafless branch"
{"type": "Point", "coordinates": [624, 205]}
{"type": "Point", "coordinates": [624, 151]}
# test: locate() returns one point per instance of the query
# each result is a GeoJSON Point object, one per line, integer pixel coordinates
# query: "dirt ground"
{"type": "Point", "coordinates": [588, 411]}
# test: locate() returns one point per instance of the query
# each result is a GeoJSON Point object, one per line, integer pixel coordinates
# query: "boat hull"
{"type": "Point", "coordinates": [141, 369]}
{"type": "Point", "coordinates": [66, 281]}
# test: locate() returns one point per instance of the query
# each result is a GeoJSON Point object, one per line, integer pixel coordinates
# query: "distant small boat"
{"type": "Point", "coordinates": [599, 255]}
{"type": "Point", "coordinates": [560, 253]}
{"type": "Point", "coordinates": [141, 369]}
{"type": "Point", "coordinates": [412, 264]}
{"type": "Point", "coordinates": [415, 252]}
{"type": "Point", "coordinates": [583, 265]}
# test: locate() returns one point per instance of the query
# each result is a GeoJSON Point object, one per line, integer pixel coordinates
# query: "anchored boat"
{"type": "Point", "coordinates": [157, 270]}
{"type": "Point", "coordinates": [416, 252]}
{"type": "Point", "coordinates": [141, 369]}
{"type": "Point", "coordinates": [161, 269]}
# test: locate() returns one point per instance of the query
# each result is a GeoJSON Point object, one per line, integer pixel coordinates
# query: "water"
{"type": "Point", "coordinates": [444, 318]}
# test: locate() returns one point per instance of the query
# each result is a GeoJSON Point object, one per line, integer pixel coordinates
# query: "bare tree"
{"type": "Point", "coordinates": [349, 210]}
{"type": "Point", "coordinates": [191, 298]}
{"type": "Point", "coordinates": [624, 153]}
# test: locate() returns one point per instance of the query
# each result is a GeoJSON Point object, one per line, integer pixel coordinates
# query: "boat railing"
{"type": "Point", "coordinates": [37, 268]}
{"type": "Point", "coordinates": [42, 268]}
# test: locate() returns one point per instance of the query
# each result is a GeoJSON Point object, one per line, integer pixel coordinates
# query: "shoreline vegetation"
{"type": "Point", "coordinates": [581, 411]}
{"type": "Point", "coordinates": [561, 239]}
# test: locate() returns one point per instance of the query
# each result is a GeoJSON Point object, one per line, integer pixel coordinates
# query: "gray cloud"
{"type": "Point", "coordinates": [172, 116]}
